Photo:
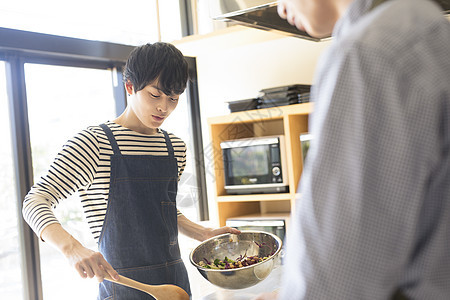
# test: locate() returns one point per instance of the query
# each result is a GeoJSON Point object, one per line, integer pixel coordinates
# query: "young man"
{"type": "Point", "coordinates": [373, 218]}
{"type": "Point", "coordinates": [126, 172]}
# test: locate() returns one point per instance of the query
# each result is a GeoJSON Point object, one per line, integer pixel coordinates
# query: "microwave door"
{"type": "Point", "coordinates": [248, 165]}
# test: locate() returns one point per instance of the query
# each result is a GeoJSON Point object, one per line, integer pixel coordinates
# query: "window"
{"type": "Point", "coordinates": [187, 195]}
{"type": "Point", "coordinates": [131, 22]}
{"type": "Point", "coordinates": [61, 102]}
{"type": "Point", "coordinates": [10, 251]}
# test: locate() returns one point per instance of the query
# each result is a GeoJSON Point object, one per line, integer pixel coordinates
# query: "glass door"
{"type": "Point", "coordinates": [11, 284]}
{"type": "Point", "coordinates": [61, 102]}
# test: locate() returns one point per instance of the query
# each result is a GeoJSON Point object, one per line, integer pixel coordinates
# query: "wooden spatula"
{"type": "Point", "coordinates": [159, 292]}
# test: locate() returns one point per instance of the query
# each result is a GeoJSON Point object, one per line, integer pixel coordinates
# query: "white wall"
{"type": "Point", "coordinates": [236, 64]}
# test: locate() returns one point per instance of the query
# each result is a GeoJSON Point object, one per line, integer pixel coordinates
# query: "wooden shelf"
{"type": "Point", "coordinates": [265, 114]}
{"type": "Point", "coordinates": [254, 197]}
{"type": "Point", "coordinates": [290, 121]}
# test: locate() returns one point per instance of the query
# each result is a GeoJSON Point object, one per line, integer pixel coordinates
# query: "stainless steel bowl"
{"type": "Point", "coordinates": [249, 243]}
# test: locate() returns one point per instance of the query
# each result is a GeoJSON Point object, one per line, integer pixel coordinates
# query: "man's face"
{"type": "Point", "coordinates": [316, 17]}
{"type": "Point", "coordinates": [152, 106]}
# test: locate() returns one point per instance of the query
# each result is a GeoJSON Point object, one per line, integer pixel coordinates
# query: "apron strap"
{"type": "Point", "coordinates": [112, 140]}
{"type": "Point", "coordinates": [169, 144]}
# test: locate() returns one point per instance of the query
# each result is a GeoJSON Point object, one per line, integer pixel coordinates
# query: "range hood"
{"type": "Point", "coordinates": [263, 14]}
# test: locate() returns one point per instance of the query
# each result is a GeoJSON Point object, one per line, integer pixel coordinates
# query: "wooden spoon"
{"type": "Point", "coordinates": [159, 292]}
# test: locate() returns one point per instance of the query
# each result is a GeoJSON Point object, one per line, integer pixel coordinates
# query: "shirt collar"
{"type": "Point", "coordinates": [353, 13]}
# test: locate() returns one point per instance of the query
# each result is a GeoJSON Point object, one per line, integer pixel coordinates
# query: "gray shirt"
{"type": "Point", "coordinates": [373, 211]}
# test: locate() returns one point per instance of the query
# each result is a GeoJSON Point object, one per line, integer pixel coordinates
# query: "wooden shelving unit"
{"type": "Point", "coordinates": [290, 121]}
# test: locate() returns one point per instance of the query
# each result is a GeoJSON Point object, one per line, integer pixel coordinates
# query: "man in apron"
{"type": "Point", "coordinates": [133, 171]}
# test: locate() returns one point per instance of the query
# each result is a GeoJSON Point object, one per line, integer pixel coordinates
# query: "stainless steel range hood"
{"type": "Point", "coordinates": [263, 14]}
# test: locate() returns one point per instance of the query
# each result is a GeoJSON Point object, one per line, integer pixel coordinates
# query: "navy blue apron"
{"type": "Point", "coordinates": [139, 237]}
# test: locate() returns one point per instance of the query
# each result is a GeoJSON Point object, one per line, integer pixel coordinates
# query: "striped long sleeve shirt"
{"type": "Point", "coordinates": [83, 165]}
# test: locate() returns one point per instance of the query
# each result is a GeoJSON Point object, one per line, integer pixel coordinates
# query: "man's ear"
{"type": "Point", "coordinates": [129, 87]}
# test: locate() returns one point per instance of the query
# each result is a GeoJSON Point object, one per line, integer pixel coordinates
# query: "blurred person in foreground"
{"type": "Point", "coordinates": [373, 217]}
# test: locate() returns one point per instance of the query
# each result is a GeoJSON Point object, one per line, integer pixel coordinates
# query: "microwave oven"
{"type": "Point", "coordinates": [275, 223]}
{"type": "Point", "coordinates": [255, 165]}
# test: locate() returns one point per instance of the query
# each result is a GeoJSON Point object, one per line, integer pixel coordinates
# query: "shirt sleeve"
{"type": "Point", "coordinates": [73, 168]}
{"type": "Point", "coordinates": [362, 188]}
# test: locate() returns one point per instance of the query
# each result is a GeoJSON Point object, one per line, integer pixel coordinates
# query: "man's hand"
{"type": "Point", "coordinates": [200, 233]}
{"type": "Point", "coordinates": [209, 233]}
{"type": "Point", "coordinates": [88, 263]}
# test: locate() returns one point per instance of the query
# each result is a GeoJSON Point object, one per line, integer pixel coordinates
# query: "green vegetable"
{"type": "Point", "coordinates": [226, 263]}
{"type": "Point", "coordinates": [229, 260]}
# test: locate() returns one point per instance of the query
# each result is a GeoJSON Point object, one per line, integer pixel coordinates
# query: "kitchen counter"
{"type": "Point", "coordinates": [270, 284]}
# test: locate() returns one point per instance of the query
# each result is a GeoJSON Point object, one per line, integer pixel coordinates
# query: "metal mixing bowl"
{"type": "Point", "coordinates": [249, 243]}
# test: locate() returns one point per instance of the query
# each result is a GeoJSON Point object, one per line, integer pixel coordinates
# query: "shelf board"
{"type": "Point", "coordinates": [254, 197]}
{"type": "Point", "coordinates": [272, 215]}
{"type": "Point", "coordinates": [263, 114]}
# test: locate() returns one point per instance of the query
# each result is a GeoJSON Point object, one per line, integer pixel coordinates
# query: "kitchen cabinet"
{"type": "Point", "coordinates": [290, 121]}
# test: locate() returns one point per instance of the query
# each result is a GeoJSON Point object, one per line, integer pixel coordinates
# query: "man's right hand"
{"type": "Point", "coordinates": [87, 262]}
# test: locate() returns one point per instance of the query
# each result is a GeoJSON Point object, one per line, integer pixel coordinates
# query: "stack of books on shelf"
{"type": "Point", "coordinates": [271, 97]}
{"type": "Point", "coordinates": [245, 104]}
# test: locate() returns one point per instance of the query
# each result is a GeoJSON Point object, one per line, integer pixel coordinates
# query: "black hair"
{"type": "Point", "coordinates": [162, 61]}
